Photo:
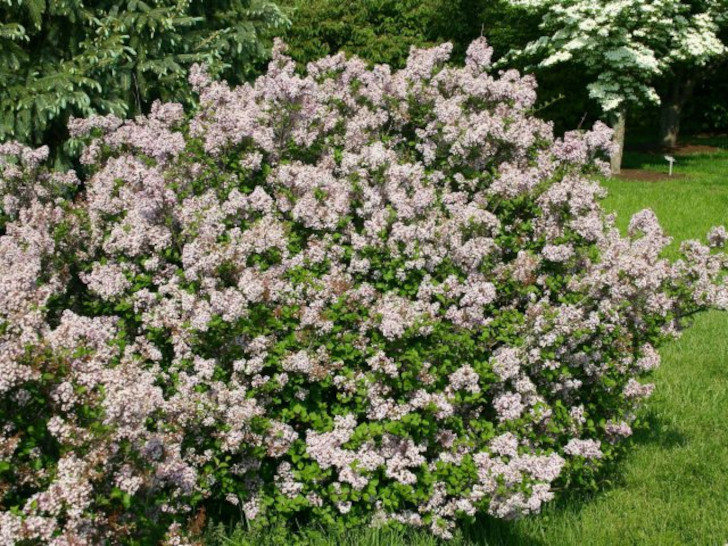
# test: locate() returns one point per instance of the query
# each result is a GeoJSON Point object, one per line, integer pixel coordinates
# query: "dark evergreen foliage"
{"type": "Point", "coordinates": [79, 57]}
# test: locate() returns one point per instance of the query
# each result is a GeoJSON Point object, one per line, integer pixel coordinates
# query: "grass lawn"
{"type": "Point", "coordinates": [673, 486]}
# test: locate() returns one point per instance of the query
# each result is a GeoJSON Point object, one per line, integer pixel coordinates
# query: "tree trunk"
{"type": "Point", "coordinates": [618, 124]}
{"type": "Point", "coordinates": [669, 124]}
{"type": "Point", "coordinates": [671, 110]}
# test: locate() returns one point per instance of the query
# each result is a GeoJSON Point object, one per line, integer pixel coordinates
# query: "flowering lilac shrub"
{"type": "Point", "coordinates": [355, 295]}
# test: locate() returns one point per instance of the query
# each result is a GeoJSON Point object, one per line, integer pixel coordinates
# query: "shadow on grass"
{"type": "Point", "coordinates": [489, 531]}
{"type": "Point", "coordinates": [719, 141]}
{"type": "Point", "coordinates": [656, 431]}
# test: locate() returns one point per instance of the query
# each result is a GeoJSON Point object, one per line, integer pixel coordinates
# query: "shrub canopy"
{"type": "Point", "coordinates": [356, 294]}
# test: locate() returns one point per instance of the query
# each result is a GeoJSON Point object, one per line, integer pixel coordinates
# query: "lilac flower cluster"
{"type": "Point", "coordinates": [358, 293]}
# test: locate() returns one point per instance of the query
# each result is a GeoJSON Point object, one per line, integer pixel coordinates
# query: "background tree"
{"type": "Point", "coordinates": [626, 47]}
{"type": "Point", "coordinates": [508, 27]}
{"type": "Point", "coordinates": [380, 31]}
{"type": "Point", "coordinates": [707, 111]}
{"type": "Point", "coordinates": [80, 57]}
{"type": "Point", "coordinates": [681, 78]}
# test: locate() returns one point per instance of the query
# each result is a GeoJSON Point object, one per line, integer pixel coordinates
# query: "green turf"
{"type": "Point", "coordinates": [672, 488]}
{"type": "Point", "coordinates": [687, 206]}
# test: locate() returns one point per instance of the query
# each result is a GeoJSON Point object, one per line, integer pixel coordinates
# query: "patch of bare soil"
{"type": "Point", "coordinates": [647, 176]}
{"type": "Point", "coordinates": [689, 149]}
{"type": "Point", "coordinates": [680, 150]}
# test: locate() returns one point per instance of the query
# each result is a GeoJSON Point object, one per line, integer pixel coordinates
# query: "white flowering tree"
{"type": "Point", "coordinates": [628, 47]}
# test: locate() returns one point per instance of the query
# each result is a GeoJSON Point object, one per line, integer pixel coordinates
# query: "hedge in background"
{"type": "Point", "coordinates": [81, 57]}
{"type": "Point", "coordinates": [382, 31]}
{"type": "Point", "coordinates": [379, 31]}
{"type": "Point", "coordinates": [357, 295]}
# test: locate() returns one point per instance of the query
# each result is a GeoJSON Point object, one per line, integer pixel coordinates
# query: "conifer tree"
{"type": "Point", "coordinates": [60, 58]}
